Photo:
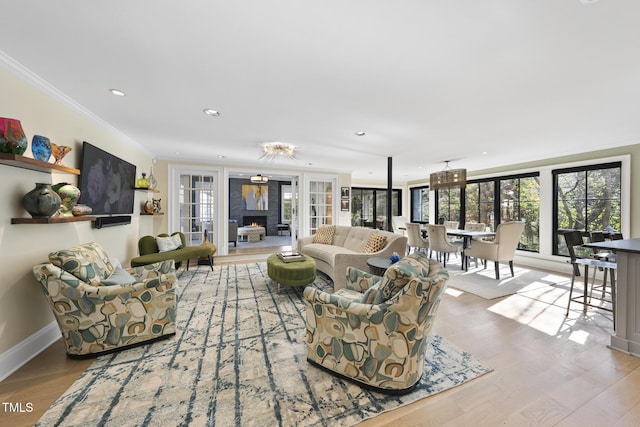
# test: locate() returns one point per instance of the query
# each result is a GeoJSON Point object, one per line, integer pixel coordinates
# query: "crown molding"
{"type": "Point", "coordinates": [30, 77]}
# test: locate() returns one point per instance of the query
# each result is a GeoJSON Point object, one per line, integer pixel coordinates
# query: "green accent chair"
{"type": "Point", "coordinates": [101, 308]}
{"type": "Point", "coordinates": [149, 252]}
{"type": "Point", "coordinates": [375, 331]}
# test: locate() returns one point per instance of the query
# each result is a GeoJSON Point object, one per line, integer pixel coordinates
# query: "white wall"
{"type": "Point", "coordinates": [23, 308]}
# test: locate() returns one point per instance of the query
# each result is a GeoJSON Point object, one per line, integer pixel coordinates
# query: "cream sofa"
{"type": "Point", "coordinates": [346, 250]}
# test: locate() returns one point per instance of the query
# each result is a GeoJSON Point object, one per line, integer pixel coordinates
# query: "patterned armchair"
{"type": "Point", "coordinates": [99, 307]}
{"type": "Point", "coordinates": [375, 330]}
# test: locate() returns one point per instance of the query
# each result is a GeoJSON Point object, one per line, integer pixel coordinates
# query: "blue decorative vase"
{"type": "Point", "coordinates": [41, 148]}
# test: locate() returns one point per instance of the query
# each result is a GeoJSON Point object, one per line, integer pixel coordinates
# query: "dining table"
{"type": "Point", "coordinates": [626, 336]}
{"type": "Point", "coordinates": [467, 236]}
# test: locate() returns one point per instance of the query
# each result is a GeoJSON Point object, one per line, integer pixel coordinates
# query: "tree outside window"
{"type": "Point", "coordinates": [587, 199]}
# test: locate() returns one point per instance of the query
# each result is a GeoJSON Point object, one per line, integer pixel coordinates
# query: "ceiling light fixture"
{"type": "Point", "coordinates": [273, 150]}
{"type": "Point", "coordinates": [210, 112]}
{"type": "Point", "coordinates": [117, 92]}
{"type": "Point", "coordinates": [448, 178]}
{"type": "Point", "coordinates": [360, 133]}
{"type": "Point", "coordinates": [259, 179]}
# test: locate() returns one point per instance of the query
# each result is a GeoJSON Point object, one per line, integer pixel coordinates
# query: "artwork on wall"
{"type": "Point", "coordinates": [255, 197]}
{"type": "Point", "coordinates": [344, 199]}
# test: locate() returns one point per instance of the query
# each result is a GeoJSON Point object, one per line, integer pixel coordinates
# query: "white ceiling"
{"type": "Point", "coordinates": [427, 80]}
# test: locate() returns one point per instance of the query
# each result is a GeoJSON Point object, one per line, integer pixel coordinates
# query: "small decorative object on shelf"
{"type": "Point", "coordinates": [12, 137]}
{"type": "Point", "coordinates": [81, 210]}
{"type": "Point", "coordinates": [59, 151]}
{"type": "Point", "coordinates": [143, 182]}
{"type": "Point", "coordinates": [156, 205]}
{"type": "Point", "coordinates": [148, 207]}
{"type": "Point", "coordinates": [152, 180]}
{"type": "Point", "coordinates": [42, 201]}
{"type": "Point", "coordinates": [69, 194]}
{"type": "Point", "coordinates": [394, 257]}
{"type": "Point", "coordinates": [41, 148]}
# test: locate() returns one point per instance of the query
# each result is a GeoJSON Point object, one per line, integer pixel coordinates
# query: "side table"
{"type": "Point", "coordinates": [378, 265]}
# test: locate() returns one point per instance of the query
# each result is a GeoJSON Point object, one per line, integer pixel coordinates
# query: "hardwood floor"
{"type": "Point", "coordinates": [548, 370]}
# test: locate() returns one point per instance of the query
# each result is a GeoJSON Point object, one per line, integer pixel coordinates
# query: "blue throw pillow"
{"type": "Point", "coordinates": [119, 277]}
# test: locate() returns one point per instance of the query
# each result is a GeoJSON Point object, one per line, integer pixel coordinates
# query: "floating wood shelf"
{"type": "Point", "coordinates": [151, 214]}
{"type": "Point", "coordinates": [150, 190]}
{"type": "Point", "coordinates": [52, 220]}
{"type": "Point", "coordinates": [33, 164]}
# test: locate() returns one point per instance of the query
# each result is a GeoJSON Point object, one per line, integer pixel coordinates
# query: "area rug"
{"type": "Point", "coordinates": [238, 359]}
{"type": "Point", "coordinates": [482, 282]}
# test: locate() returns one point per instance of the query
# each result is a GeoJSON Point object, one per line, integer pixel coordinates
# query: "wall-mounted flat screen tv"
{"type": "Point", "coordinates": [106, 182]}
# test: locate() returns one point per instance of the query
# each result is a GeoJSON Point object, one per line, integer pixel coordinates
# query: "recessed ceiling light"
{"type": "Point", "coordinates": [360, 133]}
{"type": "Point", "coordinates": [220, 156]}
{"type": "Point", "coordinates": [484, 153]}
{"type": "Point", "coordinates": [117, 92]}
{"type": "Point", "coordinates": [588, 1]}
{"type": "Point", "coordinates": [210, 112]}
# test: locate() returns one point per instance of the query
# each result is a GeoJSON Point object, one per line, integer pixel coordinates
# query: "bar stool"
{"type": "Point", "coordinates": [574, 238]}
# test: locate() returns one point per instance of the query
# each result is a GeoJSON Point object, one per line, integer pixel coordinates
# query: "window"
{"type": "Point", "coordinates": [449, 204]}
{"type": "Point", "coordinates": [420, 205]}
{"type": "Point", "coordinates": [369, 207]}
{"type": "Point", "coordinates": [479, 203]}
{"type": "Point", "coordinates": [512, 198]}
{"type": "Point", "coordinates": [520, 201]}
{"type": "Point", "coordinates": [586, 198]}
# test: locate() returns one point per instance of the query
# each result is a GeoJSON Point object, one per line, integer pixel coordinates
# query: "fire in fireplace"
{"type": "Point", "coordinates": [255, 220]}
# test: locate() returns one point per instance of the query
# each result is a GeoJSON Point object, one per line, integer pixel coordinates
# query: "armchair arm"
{"type": "Point", "coordinates": [360, 280]}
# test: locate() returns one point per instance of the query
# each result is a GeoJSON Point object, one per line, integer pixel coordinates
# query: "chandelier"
{"type": "Point", "coordinates": [273, 150]}
{"type": "Point", "coordinates": [259, 179]}
{"type": "Point", "coordinates": [448, 178]}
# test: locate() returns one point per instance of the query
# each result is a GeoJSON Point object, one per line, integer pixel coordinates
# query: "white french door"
{"type": "Point", "coordinates": [195, 210]}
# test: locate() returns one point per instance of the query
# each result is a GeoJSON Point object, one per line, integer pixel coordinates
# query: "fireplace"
{"type": "Point", "coordinates": [255, 220]}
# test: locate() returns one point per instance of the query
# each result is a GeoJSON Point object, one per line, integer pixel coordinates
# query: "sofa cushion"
{"type": "Point", "coordinates": [88, 262]}
{"type": "Point", "coordinates": [168, 243]}
{"type": "Point", "coordinates": [324, 234]}
{"type": "Point", "coordinates": [375, 243]}
{"type": "Point", "coordinates": [119, 277]}
{"type": "Point", "coordinates": [326, 253]}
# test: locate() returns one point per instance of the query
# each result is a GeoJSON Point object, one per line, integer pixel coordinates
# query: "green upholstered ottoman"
{"type": "Point", "coordinates": [298, 273]}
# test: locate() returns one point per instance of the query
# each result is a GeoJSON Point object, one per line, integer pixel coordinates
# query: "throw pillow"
{"type": "Point", "coordinates": [375, 243]}
{"type": "Point", "coordinates": [324, 234]}
{"type": "Point", "coordinates": [119, 277]}
{"type": "Point", "coordinates": [168, 243]}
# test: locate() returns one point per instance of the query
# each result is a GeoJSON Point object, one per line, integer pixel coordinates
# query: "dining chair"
{"type": "Point", "coordinates": [451, 225]}
{"type": "Point", "coordinates": [501, 249]}
{"type": "Point", "coordinates": [439, 243]}
{"type": "Point", "coordinates": [573, 239]}
{"type": "Point", "coordinates": [415, 239]}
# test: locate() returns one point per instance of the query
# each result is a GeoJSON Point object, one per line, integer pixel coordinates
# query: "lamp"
{"type": "Point", "coordinates": [272, 150]}
{"type": "Point", "coordinates": [259, 179]}
{"type": "Point", "coordinates": [448, 178]}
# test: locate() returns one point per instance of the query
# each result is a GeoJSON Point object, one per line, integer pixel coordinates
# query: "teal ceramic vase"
{"type": "Point", "coordinates": [42, 201]}
{"type": "Point", "coordinates": [12, 137]}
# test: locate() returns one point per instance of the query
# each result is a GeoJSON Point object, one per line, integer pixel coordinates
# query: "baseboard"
{"type": "Point", "coordinates": [19, 355]}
